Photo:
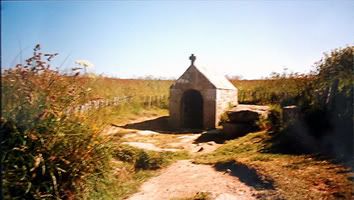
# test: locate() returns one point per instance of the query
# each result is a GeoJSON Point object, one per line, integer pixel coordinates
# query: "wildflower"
{"type": "Point", "coordinates": [84, 63]}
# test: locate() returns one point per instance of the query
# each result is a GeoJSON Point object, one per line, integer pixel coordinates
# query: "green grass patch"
{"type": "Point", "coordinates": [142, 159]}
{"type": "Point", "coordinates": [245, 146]}
{"type": "Point", "coordinates": [197, 196]}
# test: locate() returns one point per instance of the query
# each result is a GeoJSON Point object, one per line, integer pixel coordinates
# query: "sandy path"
{"type": "Point", "coordinates": [185, 179]}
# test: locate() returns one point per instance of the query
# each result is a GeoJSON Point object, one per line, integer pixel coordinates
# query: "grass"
{"type": "Point", "coordinates": [46, 152]}
{"type": "Point", "coordinates": [143, 159]}
{"type": "Point", "coordinates": [293, 176]}
{"type": "Point", "coordinates": [132, 167]}
{"type": "Point", "coordinates": [280, 88]}
{"type": "Point", "coordinates": [104, 87]}
{"type": "Point", "coordinates": [122, 182]}
{"type": "Point", "coordinates": [123, 114]}
{"type": "Point", "coordinates": [197, 196]}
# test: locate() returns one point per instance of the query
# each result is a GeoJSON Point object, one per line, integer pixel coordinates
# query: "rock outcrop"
{"type": "Point", "coordinates": [243, 119]}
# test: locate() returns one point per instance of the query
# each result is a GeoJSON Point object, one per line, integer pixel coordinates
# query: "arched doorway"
{"type": "Point", "coordinates": [192, 109]}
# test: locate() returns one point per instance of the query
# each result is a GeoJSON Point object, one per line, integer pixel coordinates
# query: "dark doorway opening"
{"type": "Point", "coordinates": [192, 109]}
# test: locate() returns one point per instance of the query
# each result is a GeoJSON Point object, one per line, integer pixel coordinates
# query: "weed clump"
{"type": "Point", "coordinates": [147, 160]}
{"type": "Point", "coordinates": [46, 151]}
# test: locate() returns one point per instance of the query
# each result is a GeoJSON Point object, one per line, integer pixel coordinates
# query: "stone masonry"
{"type": "Point", "coordinates": [199, 86]}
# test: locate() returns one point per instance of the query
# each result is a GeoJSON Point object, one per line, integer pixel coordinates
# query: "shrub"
{"type": "Point", "coordinates": [147, 160]}
{"type": "Point", "coordinates": [274, 121]}
{"type": "Point", "coordinates": [326, 121]}
{"type": "Point", "coordinates": [150, 160]}
{"type": "Point", "coordinates": [46, 151]}
{"type": "Point", "coordinates": [328, 102]}
{"type": "Point", "coordinates": [139, 158]}
{"type": "Point", "coordinates": [127, 153]}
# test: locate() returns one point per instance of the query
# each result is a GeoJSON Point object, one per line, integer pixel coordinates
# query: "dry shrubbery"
{"type": "Point", "coordinates": [49, 151]}
{"type": "Point", "coordinates": [325, 123]}
{"type": "Point", "coordinates": [46, 152]}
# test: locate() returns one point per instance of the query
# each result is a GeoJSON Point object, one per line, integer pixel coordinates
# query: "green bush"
{"type": "Point", "coordinates": [150, 160]}
{"type": "Point", "coordinates": [127, 153]}
{"type": "Point", "coordinates": [274, 121]}
{"type": "Point", "coordinates": [332, 78]}
{"type": "Point", "coordinates": [140, 158]}
{"type": "Point", "coordinates": [325, 124]}
{"type": "Point", "coordinates": [147, 160]}
{"type": "Point", "coordinates": [328, 102]}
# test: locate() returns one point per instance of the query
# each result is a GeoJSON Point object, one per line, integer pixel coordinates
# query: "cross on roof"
{"type": "Point", "coordinates": [192, 58]}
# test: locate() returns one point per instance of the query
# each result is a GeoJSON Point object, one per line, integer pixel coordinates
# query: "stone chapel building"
{"type": "Point", "coordinates": [199, 97]}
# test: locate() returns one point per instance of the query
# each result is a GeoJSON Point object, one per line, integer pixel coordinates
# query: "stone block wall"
{"type": "Point", "coordinates": [175, 108]}
{"type": "Point", "coordinates": [224, 99]}
{"type": "Point", "coordinates": [209, 106]}
{"type": "Point", "coordinates": [215, 103]}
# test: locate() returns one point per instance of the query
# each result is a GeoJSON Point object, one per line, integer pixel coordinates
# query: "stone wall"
{"type": "Point", "coordinates": [215, 103]}
{"type": "Point", "coordinates": [209, 106]}
{"type": "Point", "coordinates": [225, 99]}
{"type": "Point", "coordinates": [175, 108]}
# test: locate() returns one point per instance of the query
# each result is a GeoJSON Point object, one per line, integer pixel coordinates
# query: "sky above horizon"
{"type": "Point", "coordinates": [139, 38]}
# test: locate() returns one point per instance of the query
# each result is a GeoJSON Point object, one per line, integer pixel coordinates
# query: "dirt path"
{"type": "Point", "coordinates": [183, 179]}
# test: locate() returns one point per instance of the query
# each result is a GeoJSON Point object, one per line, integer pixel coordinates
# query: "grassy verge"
{"type": "Point", "coordinates": [291, 176]}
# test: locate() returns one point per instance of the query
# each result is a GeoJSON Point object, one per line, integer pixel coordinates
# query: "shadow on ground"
{"type": "Point", "coordinates": [211, 136]}
{"type": "Point", "coordinates": [247, 175]}
{"type": "Point", "coordinates": [159, 125]}
{"type": "Point", "coordinates": [217, 136]}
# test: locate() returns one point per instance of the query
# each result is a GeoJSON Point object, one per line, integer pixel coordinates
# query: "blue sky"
{"type": "Point", "coordinates": [139, 38]}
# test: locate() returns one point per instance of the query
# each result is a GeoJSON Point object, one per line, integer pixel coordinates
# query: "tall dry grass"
{"type": "Point", "coordinates": [46, 153]}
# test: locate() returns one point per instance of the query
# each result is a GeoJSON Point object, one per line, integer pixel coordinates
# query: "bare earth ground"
{"type": "Point", "coordinates": [185, 179]}
{"type": "Point", "coordinates": [182, 179]}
